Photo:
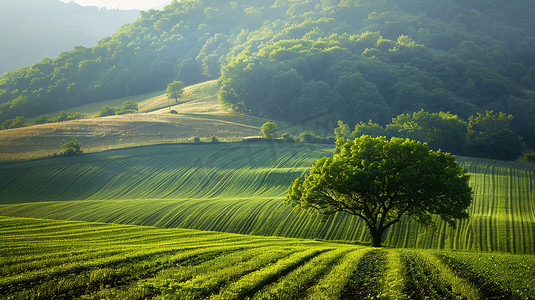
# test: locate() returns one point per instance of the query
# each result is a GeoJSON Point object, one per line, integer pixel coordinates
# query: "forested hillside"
{"type": "Point", "coordinates": [287, 60]}
{"type": "Point", "coordinates": [33, 29]}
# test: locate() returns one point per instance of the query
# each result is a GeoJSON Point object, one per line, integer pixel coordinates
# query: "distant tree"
{"type": "Point", "coordinates": [370, 128]}
{"type": "Point", "coordinates": [490, 135]}
{"type": "Point", "coordinates": [71, 148]}
{"type": "Point", "coordinates": [343, 131]}
{"type": "Point", "coordinates": [482, 124]}
{"type": "Point", "coordinates": [43, 120]}
{"type": "Point", "coordinates": [287, 137]}
{"type": "Point", "coordinates": [107, 110]}
{"type": "Point", "coordinates": [442, 131]}
{"type": "Point", "coordinates": [175, 89]}
{"type": "Point", "coordinates": [530, 157]}
{"type": "Point", "coordinates": [307, 137]}
{"type": "Point", "coordinates": [269, 130]}
{"type": "Point", "coordinates": [214, 139]}
{"type": "Point", "coordinates": [129, 106]}
{"type": "Point", "coordinates": [381, 180]}
{"type": "Point", "coordinates": [17, 122]}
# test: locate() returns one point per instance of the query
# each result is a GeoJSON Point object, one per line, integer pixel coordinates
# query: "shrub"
{"type": "Point", "coordinates": [107, 110]}
{"type": "Point", "coordinates": [71, 148]}
{"type": "Point", "coordinates": [214, 139]}
{"type": "Point", "coordinates": [127, 107]}
{"type": "Point", "coordinates": [307, 137]}
{"type": "Point", "coordinates": [287, 137]}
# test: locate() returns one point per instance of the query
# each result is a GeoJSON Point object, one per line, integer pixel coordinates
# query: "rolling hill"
{"type": "Point", "coordinates": [289, 60]}
{"type": "Point", "coordinates": [240, 187]}
{"type": "Point", "coordinates": [199, 114]}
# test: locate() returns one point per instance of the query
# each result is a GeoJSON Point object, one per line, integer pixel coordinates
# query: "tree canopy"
{"type": "Point", "coordinates": [382, 180]}
{"type": "Point", "coordinates": [175, 89]}
{"type": "Point", "coordinates": [289, 60]}
{"type": "Point", "coordinates": [488, 134]}
{"type": "Point", "coordinates": [71, 148]}
{"type": "Point", "coordinates": [269, 130]}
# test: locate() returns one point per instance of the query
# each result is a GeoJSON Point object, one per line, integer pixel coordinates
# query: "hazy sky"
{"type": "Point", "coordinates": [123, 4]}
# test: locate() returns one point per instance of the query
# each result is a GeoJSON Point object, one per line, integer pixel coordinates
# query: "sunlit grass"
{"type": "Point", "coordinates": [240, 188]}
{"type": "Point", "coordinates": [62, 259]}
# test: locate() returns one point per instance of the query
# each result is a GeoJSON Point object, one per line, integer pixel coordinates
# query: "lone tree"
{"type": "Point", "coordinates": [174, 91]}
{"type": "Point", "coordinates": [269, 130]}
{"type": "Point", "coordinates": [381, 180]}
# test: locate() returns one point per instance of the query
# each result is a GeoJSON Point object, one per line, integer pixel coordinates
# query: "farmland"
{"type": "Point", "coordinates": [62, 259]}
{"type": "Point", "coordinates": [199, 114]}
{"type": "Point", "coordinates": [240, 187]}
{"type": "Point", "coordinates": [207, 220]}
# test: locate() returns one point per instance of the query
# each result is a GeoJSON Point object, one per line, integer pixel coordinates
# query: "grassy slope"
{"type": "Point", "coordinates": [239, 187]}
{"type": "Point", "coordinates": [199, 115]}
{"type": "Point", "coordinates": [60, 259]}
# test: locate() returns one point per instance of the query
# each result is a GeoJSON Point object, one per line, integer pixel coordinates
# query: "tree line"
{"type": "Point", "coordinates": [487, 135]}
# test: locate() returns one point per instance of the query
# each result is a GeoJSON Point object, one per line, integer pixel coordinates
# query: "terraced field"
{"type": "Point", "coordinates": [240, 187]}
{"type": "Point", "coordinates": [45, 259]}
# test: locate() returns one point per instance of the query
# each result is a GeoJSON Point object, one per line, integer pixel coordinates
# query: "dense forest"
{"type": "Point", "coordinates": [359, 59]}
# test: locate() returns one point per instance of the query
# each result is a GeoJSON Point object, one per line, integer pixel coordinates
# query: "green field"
{"type": "Point", "coordinates": [45, 259]}
{"type": "Point", "coordinates": [240, 187]}
{"type": "Point", "coordinates": [199, 114]}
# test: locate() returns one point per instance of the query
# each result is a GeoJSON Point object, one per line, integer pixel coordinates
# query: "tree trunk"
{"type": "Point", "coordinates": [377, 237]}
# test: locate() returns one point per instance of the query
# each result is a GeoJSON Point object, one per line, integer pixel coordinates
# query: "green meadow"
{"type": "Point", "coordinates": [240, 188]}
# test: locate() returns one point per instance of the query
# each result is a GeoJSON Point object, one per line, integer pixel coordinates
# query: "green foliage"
{"type": "Point", "coordinates": [486, 135]}
{"type": "Point", "coordinates": [269, 130]}
{"type": "Point", "coordinates": [490, 135]}
{"type": "Point", "coordinates": [175, 90]}
{"type": "Point", "coordinates": [128, 107]}
{"type": "Point", "coordinates": [359, 60]}
{"type": "Point", "coordinates": [214, 139]}
{"type": "Point", "coordinates": [63, 116]}
{"type": "Point", "coordinates": [530, 157]}
{"type": "Point", "coordinates": [288, 137]}
{"type": "Point", "coordinates": [375, 179]}
{"type": "Point", "coordinates": [310, 137]}
{"type": "Point", "coordinates": [71, 148]}
{"type": "Point", "coordinates": [106, 111]}
{"type": "Point", "coordinates": [240, 187]}
{"type": "Point", "coordinates": [17, 122]}
{"type": "Point", "coordinates": [440, 130]}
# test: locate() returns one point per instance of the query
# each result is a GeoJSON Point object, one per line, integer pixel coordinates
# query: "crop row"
{"type": "Point", "coordinates": [240, 187]}
{"type": "Point", "coordinates": [43, 259]}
